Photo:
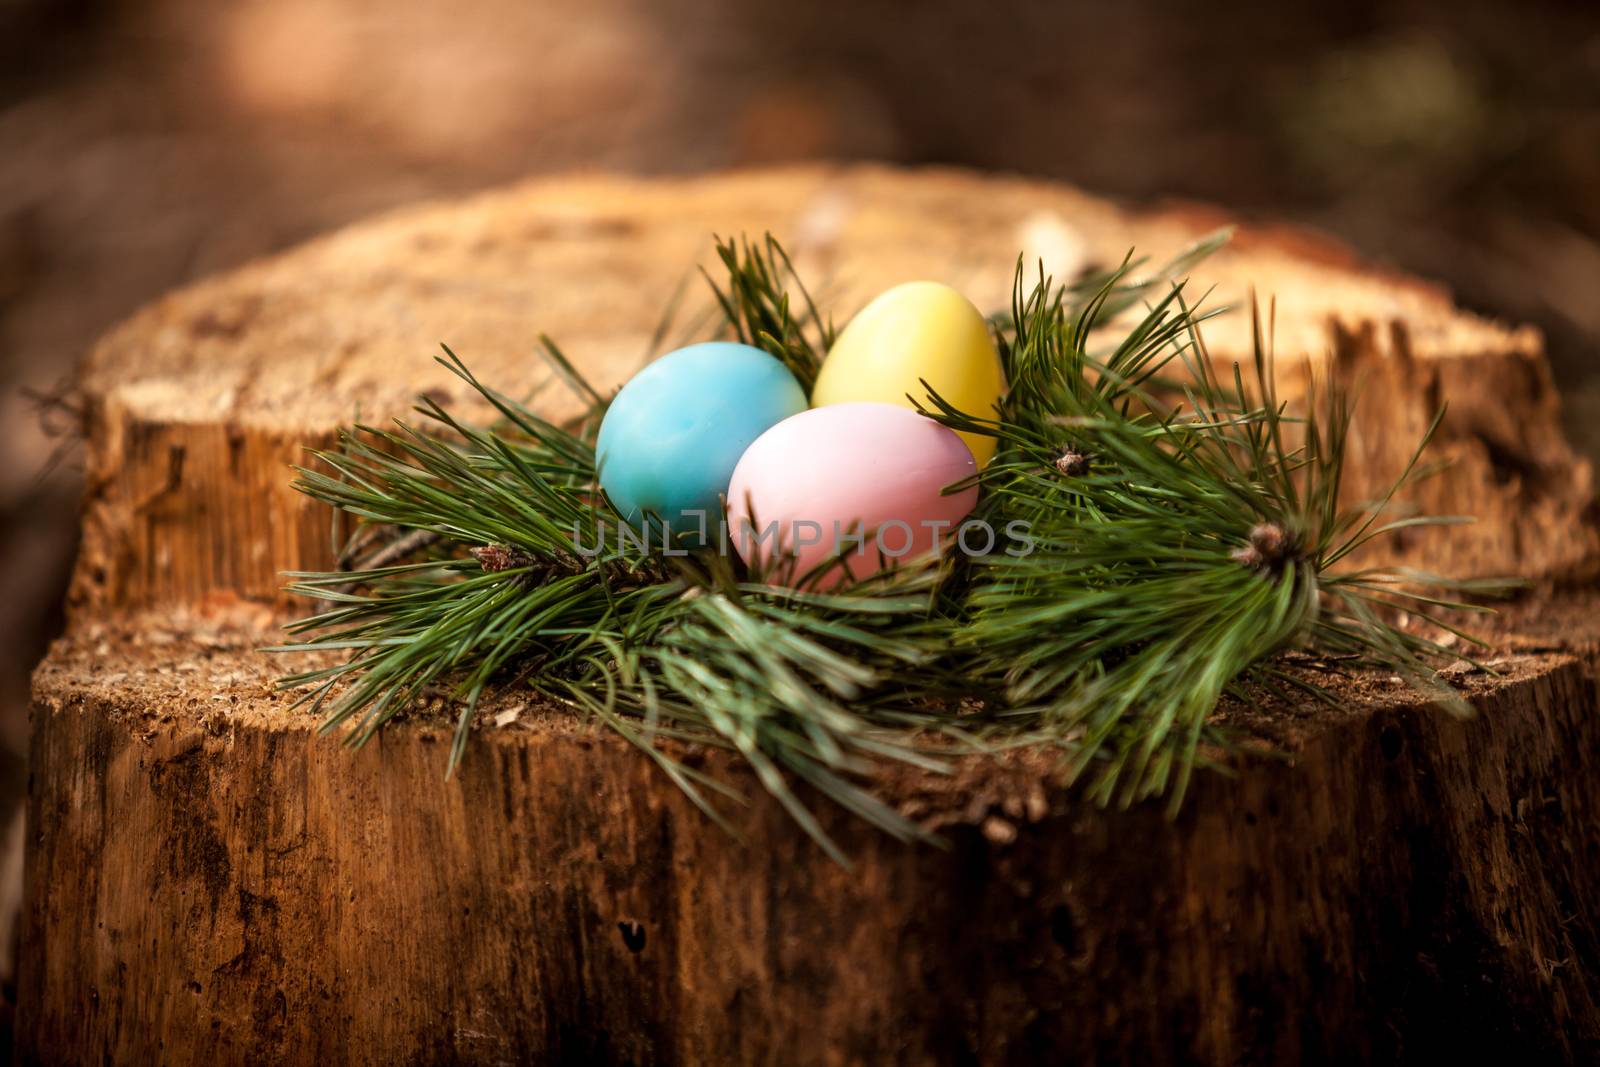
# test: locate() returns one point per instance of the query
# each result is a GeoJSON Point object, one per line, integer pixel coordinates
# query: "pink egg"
{"type": "Point", "coordinates": [875, 471]}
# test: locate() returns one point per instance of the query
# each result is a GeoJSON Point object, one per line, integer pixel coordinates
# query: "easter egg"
{"type": "Point", "coordinates": [916, 332]}
{"type": "Point", "coordinates": [872, 470]}
{"type": "Point", "coordinates": [671, 437]}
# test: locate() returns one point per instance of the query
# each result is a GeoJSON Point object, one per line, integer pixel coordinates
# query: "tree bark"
{"type": "Point", "coordinates": [208, 883]}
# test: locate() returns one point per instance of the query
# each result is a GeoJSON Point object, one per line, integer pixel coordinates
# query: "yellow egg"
{"type": "Point", "coordinates": [919, 331]}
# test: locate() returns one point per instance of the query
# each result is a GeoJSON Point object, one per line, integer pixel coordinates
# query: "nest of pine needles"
{"type": "Point", "coordinates": [1186, 531]}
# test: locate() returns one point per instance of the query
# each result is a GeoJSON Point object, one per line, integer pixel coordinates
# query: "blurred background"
{"type": "Point", "coordinates": [144, 144]}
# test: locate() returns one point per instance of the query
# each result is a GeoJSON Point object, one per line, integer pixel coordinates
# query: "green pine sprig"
{"type": "Point", "coordinates": [1186, 533]}
{"type": "Point", "coordinates": [1186, 530]}
{"type": "Point", "coordinates": [756, 306]}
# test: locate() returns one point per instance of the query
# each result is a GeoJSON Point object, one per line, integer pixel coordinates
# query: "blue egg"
{"type": "Point", "coordinates": [674, 433]}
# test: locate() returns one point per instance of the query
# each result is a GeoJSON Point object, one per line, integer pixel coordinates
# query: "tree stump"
{"type": "Point", "coordinates": [209, 883]}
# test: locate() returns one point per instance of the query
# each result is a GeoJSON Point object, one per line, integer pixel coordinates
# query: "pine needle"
{"type": "Point", "coordinates": [1183, 532]}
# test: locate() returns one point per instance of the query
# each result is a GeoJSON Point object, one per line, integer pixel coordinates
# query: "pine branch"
{"type": "Point", "coordinates": [755, 306]}
{"type": "Point", "coordinates": [1186, 531]}
{"type": "Point", "coordinates": [1179, 546]}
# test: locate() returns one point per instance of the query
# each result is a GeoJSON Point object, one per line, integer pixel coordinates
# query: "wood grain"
{"type": "Point", "coordinates": [209, 884]}
{"type": "Point", "coordinates": [198, 404]}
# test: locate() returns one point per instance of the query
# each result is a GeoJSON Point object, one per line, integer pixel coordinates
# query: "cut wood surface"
{"type": "Point", "coordinates": [208, 883]}
{"type": "Point", "coordinates": [198, 404]}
